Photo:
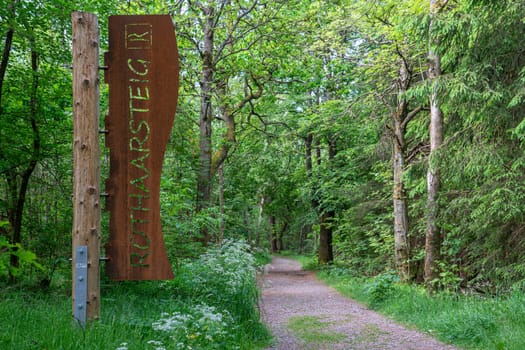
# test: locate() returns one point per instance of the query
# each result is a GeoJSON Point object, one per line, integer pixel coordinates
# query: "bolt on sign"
{"type": "Point", "coordinates": [143, 77]}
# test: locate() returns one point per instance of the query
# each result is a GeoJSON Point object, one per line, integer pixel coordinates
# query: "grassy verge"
{"type": "Point", "coordinates": [43, 320]}
{"type": "Point", "coordinates": [308, 262]}
{"type": "Point", "coordinates": [211, 304]}
{"type": "Point", "coordinates": [471, 322]}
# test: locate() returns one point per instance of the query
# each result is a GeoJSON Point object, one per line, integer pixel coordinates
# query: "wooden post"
{"type": "Point", "coordinates": [86, 153]}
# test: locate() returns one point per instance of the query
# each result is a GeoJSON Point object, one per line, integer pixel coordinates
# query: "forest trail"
{"type": "Point", "coordinates": [292, 297]}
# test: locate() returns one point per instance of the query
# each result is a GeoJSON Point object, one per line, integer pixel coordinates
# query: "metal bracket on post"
{"type": "Point", "coordinates": [81, 275]}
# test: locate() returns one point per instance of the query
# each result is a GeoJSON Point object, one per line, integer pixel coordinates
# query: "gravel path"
{"type": "Point", "coordinates": [289, 293]}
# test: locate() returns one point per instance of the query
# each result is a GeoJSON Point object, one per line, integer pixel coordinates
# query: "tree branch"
{"type": "Point", "coordinates": [7, 50]}
{"type": "Point", "coordinates": [411, 116]}
{"type": "Point", "coordinates": [229, 38]}
{"type": "Point", "coordinates": [228, 117]}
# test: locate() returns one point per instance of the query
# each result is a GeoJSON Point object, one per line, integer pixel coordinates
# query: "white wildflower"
{"type": "Point", "coordinates": [123, 346]}
{"type": "Point", "coordinates": [157, 345]}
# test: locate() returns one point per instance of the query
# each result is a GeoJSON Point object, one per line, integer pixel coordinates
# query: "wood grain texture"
{"type": "Point", "coordinates": [86, 151]}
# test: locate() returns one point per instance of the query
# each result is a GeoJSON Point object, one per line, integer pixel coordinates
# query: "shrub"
{"type": "Point", "coordinates": [382, 288]}
{"type": "Point", "coordinates": [225, 276]}
{"type": "Point", "coordinates": [221, 291]}
{"type": "Point", "coordinates": [199, 327]}
{"type": "Point", "coordinates": [26, 258]}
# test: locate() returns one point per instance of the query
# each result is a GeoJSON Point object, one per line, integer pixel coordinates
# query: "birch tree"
{"type": "Point", "coordinates": [433, 236]}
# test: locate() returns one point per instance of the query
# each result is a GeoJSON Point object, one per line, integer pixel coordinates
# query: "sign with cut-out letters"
{"type": "Point", "coordinates": [143, 77]}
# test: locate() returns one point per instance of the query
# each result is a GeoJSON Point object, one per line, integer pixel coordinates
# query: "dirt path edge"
{"type": "Point", "coordinates": [291, 296]}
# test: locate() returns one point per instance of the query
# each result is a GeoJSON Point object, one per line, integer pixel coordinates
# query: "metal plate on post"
{"type": "Point", "coordinates": [81, 269]}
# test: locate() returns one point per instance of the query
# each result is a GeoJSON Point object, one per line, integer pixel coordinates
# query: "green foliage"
{"type": "Point", "coordinates": [231, 265]}
{"type": "Point", "coordinates": [449, 277]}
{"type": "Point", "coordinates": [328, 71]}
{"type": "Point", "coordinates": [381, 288]}
{"type": "Point", "coordinates": [26, 259]}
{"type": "Point", "coordinates": [36, 109]}
{"type": "Point", "coordinates": [181, 314]}
{"type": "Point", "coordinates": [308, 262]}
{"type": "Point", "coordinates": [222, 279]}
{"type": "Point", "coordinates": [262, 257]}
{"type": "Point", "coordinates": [199, 327]}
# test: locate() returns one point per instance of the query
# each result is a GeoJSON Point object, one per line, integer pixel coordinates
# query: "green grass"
{"type": "Point", "coordinates": [312, 330]}
{"type": "Point", "coordinates": [262, 257]}
{"type": "Point", "coordinates": [208, 309]}
{"type": "Point", "coordinates": [471, 322]}
{"type": "Point", "coordinates": [308, 262]}
{"type": "Point", "coordinates": [43, 320]}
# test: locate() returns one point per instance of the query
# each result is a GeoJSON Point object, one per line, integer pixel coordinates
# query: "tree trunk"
{"type": "Point", "coordinates": [21, 192]}
{"type": "Point", "coordinates": [10, 178]}
{"type": "Point", "coordinates": [317, 147]}
{"type": "Point", "coordinates": [401, 247]}
{"type": "Point", "coordinates": [433, 236]}
{"type": "Point", "coordinates": [5, 60]}
{"type": "Point", "coordinates": [6, 52]}
{"type": "Point", "coordinates": [259, 222]}
{"type": "Point", "coordinates": [401, 252]}
{"type": "Point", "coordinates": [280, 242]}
{"type": "Point", "coordinates": [306, 229]}
{"type": "Point", "coordinates": [273, 235]}
{"type": "Point", "coordinates": [204, 170]}
{"type": "Point", "coordinates": [326, 254]}
{"type": "Point", "coordinates": [308, 155]}
{"type": "Point", "coordinates": [227, 116]}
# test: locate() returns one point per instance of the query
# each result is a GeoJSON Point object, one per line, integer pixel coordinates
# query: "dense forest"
{"type": "Point", "coordinates": [381, 135]}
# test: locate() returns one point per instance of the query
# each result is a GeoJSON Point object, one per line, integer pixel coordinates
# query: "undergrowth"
{"type": "Point", "coordinates": [211, 304]}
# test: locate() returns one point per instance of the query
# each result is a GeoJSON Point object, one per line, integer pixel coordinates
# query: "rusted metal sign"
{"type": "Point", "coordinates": [143, 77]}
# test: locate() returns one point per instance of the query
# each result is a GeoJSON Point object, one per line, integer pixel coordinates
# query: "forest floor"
{"type": "Point", "coordinates": [303, 313]}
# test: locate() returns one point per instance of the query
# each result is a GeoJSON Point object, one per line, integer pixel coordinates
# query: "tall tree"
{"type": "Point", "coordinates": [8, 42]}
{"type": "Point", "coordinates": [18, 183]}
{"type": "Point", "coordinates": [401, 117]}
{"type": "Point", "coordinates": [326, 219]}
{"type": "Point", "coordinates": [389, 70]}
{"type": "Point", "coordinates": [17, 178]}
{"type": "Point", "coordinates": [433, 235]}
{"type": "Point", "coordinates": [219, 32]}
